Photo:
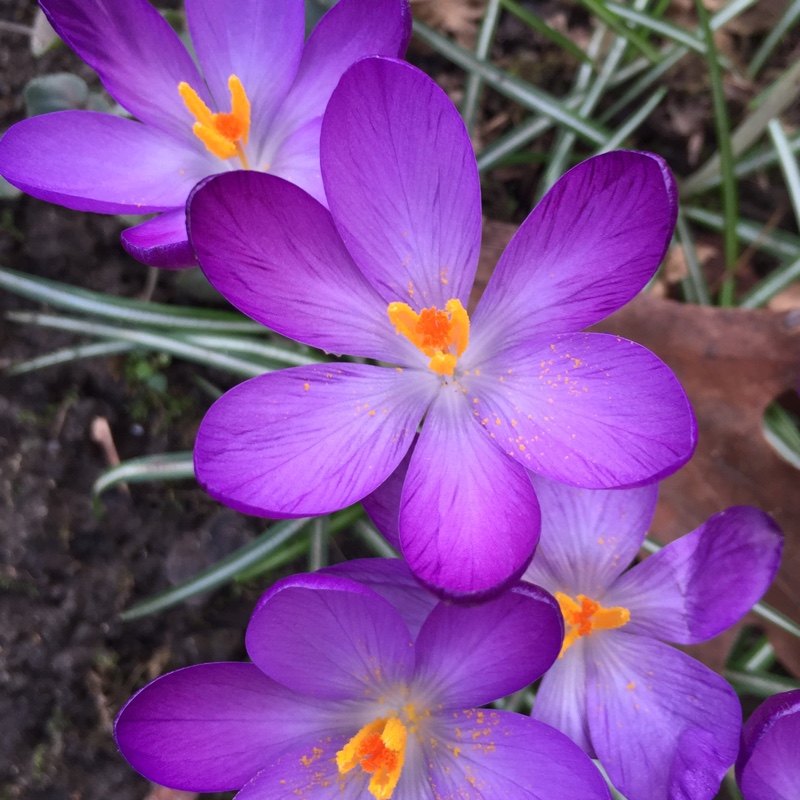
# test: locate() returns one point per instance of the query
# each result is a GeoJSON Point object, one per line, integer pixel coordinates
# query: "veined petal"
{"type": "Point", "coordinates": [590, 246]}
{"type": "Point", "coordinates": [702, 583]}
{"type": "Point", "coordinates": [401, 182]}
{"type": "Point", "coordinates": [137, 55]}
{"type": "Point", "coordinates": [161, 241]}
{"type": "Point", "coordinates": [296, 159]}
{"type": "Point", "coordinates": [587, 409]}
{"type": "Point", "coordinates": [383, 505]}
{"type": "Point", "coordinates": [261, 43]}
{"type": "Point", "coordinates": [98, 162]}
{"type": "Point", "coordinates": [482, 753]}
{"type": "Point", "coordinates": [330, 637]}
{"type": "Point", "coordinates": [212, 727]}
{"type": "Point", "coordinates": [469, 656]}
{"type": "Point", "coordinates": [273, 251]}
{"type": "Point", "coordinates": [662, 724]}
{"type": "Point", "coordinates": [589, 536]}
{"type": "Point", "coordinates": [308, 440]}
{"type": "Point", "coordinates": [768, 767]}
{"type": "Point", "coordinates": [469, 519]}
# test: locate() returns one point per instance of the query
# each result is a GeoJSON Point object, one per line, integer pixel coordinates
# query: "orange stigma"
{"type": "Point", "coordinates": [586, 615]}
{"type": "Point", "coordinates": [223, 134]}
{"type": "Point", "coordinates": [380, 748]}
{"type": "Point", "coordinates": [441, 335]}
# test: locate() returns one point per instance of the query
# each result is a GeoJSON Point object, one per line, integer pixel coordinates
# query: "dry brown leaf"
{"type": "Point", "coordinates": [456, 17]}
{"type": "Point", "coordinates": [162, 793]}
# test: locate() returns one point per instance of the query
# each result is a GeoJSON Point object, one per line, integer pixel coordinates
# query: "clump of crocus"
{"type": "Point", "coordinates": [386, 275]}
{"type": "Point", "coordinates": [352, 696]}
{"type": "Point", "coordinates": [662, 724]}
{"type": "Point", "coordinates": [253, 101]}
{"type": "Point", "coordinates": [768, 767]}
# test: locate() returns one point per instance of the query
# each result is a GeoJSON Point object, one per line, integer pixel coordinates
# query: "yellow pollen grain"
{"type": "Point", "coordinates": [306, 387]}
{"type": "Point", "coordinates": [631, 686]}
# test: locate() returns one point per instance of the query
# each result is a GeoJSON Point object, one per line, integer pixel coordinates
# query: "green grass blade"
{"type": "Point", "coordinates": [161, 467]}
{"type": "Point", "coordinates": [761, 684]}
{"type": "Point", "coordinates": [69, 354]}
{"type": "Point", "coordinates": [319, 542]}
{"type": "Point", "coordinates": [602, 10]}
{"type": "Point", "coordinates": [474, 84]}
{"type": "Point", "coordinates": [655, 25]}
{"type": "Point", "coordinates": [787, 21]}
{"type": "Point", "coordinates": [634, 121]}
{"type": "Point", "coordinates": [695, 286]}
{"type": "Point", "coordinates": [373, 540]}
{"type": "Point", "coordinates": [788, 163]}
{"type": "Point", "coordinates": [240, 344]}
{"type": "Point", "coordinates": [780, 430]}
{"type": "Point", "coordinates": [773, 284]}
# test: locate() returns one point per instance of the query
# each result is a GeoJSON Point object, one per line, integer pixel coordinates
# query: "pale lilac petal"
{"type": "Point", "coordinates": [161, 241]}
{"type": "Point", "coordinates": [469, 519]}
{"type": "Point", "coordinates": [392, 580]}
{"type": "Point", "coordinates": [296, 160]}
{"type": "Point", "coordinates": [662, 724]}
{"type": "Point", "coordinates": [587, 409]}
{"type": "Point", "coordinates": [137, 55]}
{"type": "Point", "coordinates": [590, 246]}
{"type": "Point", "coordinates": [589, 536]}
{"type": "Point", "coordinates": [496, 755]}
{"type": "Point", "coordinates": [469, 656]}
{"type": "Point", "coordinates": [701, 584]}
{"type": "Point", "coordinates": [210, 728]}
{"type": "Point", "coordinates": [308, 440]}
{"type": "Point", "coordinates": [402, 184]}
{"type": "Point", "coordinates": [561, 697]}
{"type": "Point", "coordinates": [329, 637]}
{"type": "Point", "coordinates": [274, 253]}
{"type": "Point", "coordinates": [98, 162]}
{"type": "Point", "coordinates": [261, 43]}
{"type": "Point", "coordinates": [768, 767]}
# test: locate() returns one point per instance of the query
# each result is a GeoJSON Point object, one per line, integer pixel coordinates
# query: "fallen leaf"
{"type": "Point", "coordinates": [456, 17]}
{"type": "Point", "coordinates": [162, 793]}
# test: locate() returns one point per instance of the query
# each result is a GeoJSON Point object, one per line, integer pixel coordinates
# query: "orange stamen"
{"type": "Point", "coordinates": [587, 615]}
{"type": "Point", "coordinates": [443, 336]}
{"type": "Point", "coordinates": [379, 748]}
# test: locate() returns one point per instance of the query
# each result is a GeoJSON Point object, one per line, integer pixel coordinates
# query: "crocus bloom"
{"type": "Point", "coordinates": [386, 275]}
{"type": "Point", "coordinates": [663, 725]}
{"type": "Point", "coordinates": [768, 767]}
{"type": "Point", "coordinates": [350, 696]}
{"type": "Point", "coordinates": [254, 102]}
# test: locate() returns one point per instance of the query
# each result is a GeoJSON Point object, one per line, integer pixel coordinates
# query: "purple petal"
{"type": "Point", "coordinates": [768, 767]}
{"type": "Point", "coordinates": [662, 724]}
{"type": "Point", "coordinates": [273, 252]}
{"type": "Point", "coordinates": [392, 580]}
{"type": "Point", "coordinates": [402, 184]}
{"type": "Point", "coordinates": [261, 43]}
{"type": "Point", "coordinates": [97, 162]}
{"type": "Point", "coordinates": [137, 55]}
{"type": "Point", "coordinates": [589, 536]}
{"type": "Point", "coordinates": [296, 159]}
{"type": "Point", "coordinates": [701, 584]}
{"type": "Point", "coordinates": [210, 728]}
{"type": "Point", "coordinates": [383, 505]}
{"type": "Point", "coordinates": [484, 753]}
{"type": "Point", "coordinates": [161, 241]}
{"type": "Point", "coordinates": [329, 637]}
{"type": "Point", "coordinates": [469, 519]}
{"type": "Point", "coordinates": [587, 409]}
{"type": "Point", "coordinates": [590, 246]}
{"type": "Point", "coordinates": [469, 656]}
{"type": "Point", "coordinates": [308, 440]}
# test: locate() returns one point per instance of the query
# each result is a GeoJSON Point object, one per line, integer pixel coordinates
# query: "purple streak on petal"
{"type": "Point", "coordinates": [469, 519]}
{"type": "Point", "coordinates": [401, 182]}
{"type": "Point", "coordinates": [137, 55]}
{"type": "Point", "coordinates": [482, 753]}
{"type": "Point", "coordinates": [589, 536]}
{"type": "Point", "coordinates": [161, 241]}
{"type": "Point", "coordinates": [587, 409]}
{"type": "Point", "coordinates": [768, 767]}
{"type": "Point", "coordinates": [261, 43]}
{"type": "Point", "coordinates": [211, 727]}
{"type": "Point", "coordinates": [273, 252]}
{"type": "Point", "coordinates": [308, 440]}
{"type": "Point", "coordinates": [331, 638]}
{"type": "Point", "coordinates": [701, 584]}
{"type": "Point", "coordinates": [662, 724]}
{"type": "Point", "coordinates": [469, 656]}
{"type": "Point", "coordinates": [97, 162]}
{"type": "Point", "coordinates": [592, 243]}
{"type": "Point", "coordinates": [561, 697]}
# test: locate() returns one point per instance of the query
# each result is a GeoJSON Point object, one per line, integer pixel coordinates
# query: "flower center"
{"type": "Point", "coordinates": [380, 748]}
{"type": "Point", "coordinates": [441, 335]}
{"type": "Point", "coordinates": [223, 134]}
{"type": "Point", "coordinates": [586, 615]}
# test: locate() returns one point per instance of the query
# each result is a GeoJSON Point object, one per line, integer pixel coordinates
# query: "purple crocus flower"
{"type": "Point", "coordinates": [768, 767]}
{"type": "Point", "coordinates": [663, 725]}
{"type": "Point", "coordinates": [386, 275]}
{"type": "Point", "coordinates": [254, 102]}
{"type": "Point", "coordinates": [368, 694]}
